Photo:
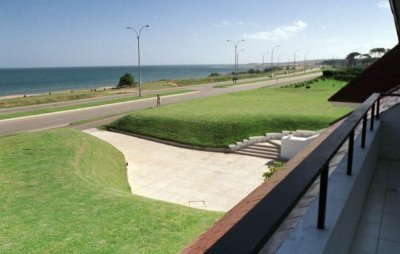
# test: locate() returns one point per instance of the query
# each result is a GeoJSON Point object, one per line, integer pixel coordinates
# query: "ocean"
{"type": "Point", "coordinates": [44, 80]}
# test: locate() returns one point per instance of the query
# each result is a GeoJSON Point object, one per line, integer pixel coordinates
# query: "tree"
{"type": "Point", "coordinates": [351, 58]}
{"type": "Point", "coordinates": [381, 51]}
{"type": "Point", "coordinates": [377, 52]}
{"type": "Point", "coordinates": [251, 71]}
{"type": "Point", "coordinates": [126, 80]}
{"type": "Point", "coordinates": [365, 59]}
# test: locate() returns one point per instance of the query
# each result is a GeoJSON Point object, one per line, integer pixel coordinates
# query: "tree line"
{"type": "Point", "coordinates": [355, 58]}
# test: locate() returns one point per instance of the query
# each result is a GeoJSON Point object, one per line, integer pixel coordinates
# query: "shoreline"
{"type": "Point", "coordinates": [16, 96]}
{"type": "Point", "coordinates": [42, 80]}
{"type": "Point", "coordinates": [109, 87]}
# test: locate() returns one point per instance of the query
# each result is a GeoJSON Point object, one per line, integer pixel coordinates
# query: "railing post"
{"type": "Point", "coordinates": [364, 130]}
{"type": "Point", "coordinates": [350, 153]}
{"type": "Point", "coordinates": [323, 191]}
{"type": "Point", "coordinates": [378, 105]}
{"type": "Point", "coordinates": [371, 127]}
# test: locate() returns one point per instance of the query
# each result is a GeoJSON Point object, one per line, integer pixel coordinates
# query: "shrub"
{"type": "Point", "coordinates": [214, 74]}
{"type": "Point", "coordinates": [126, 80]}
{"type": "Point", "coordinates": [251, 71]}
{"type": "Point", "coordinates": [273, 167]}
{"type": "Point", "coordinates": [342, 75]}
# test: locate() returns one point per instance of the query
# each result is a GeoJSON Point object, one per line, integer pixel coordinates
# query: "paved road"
{"type": "Point", "coordinates": [59, 119]}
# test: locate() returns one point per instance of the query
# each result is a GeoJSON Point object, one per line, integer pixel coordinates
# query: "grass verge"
{"type": "Point", "coordinates": [85, 105]}
{"type": "Point", "coordinates": [63, 191]}
{"type": "Point", "coordinates": [59, 97]}
{"type": "Point", "coordinates": [223, 120]}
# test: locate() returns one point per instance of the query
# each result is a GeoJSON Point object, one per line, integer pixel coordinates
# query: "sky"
{"type": "Point", "coordinates": [58, 33]}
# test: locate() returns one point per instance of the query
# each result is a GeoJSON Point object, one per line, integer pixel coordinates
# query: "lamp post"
{"type": "Point", "coordinates": [294, 61]}
{"type": "Point", "coordinates": [272, 59]}
{"type": "Point", "coordinates": [138, 50]}
{"type": "Point", "coordinates": [279, 58]}
{"type": "Point", "coordinates": [305, 58]}
{"type": "Point", "coordinates": [262, 64]}
{"type": "Point", "coordinates": [235, 45]}
{"type": "Point", "coordinates": [237, 61]}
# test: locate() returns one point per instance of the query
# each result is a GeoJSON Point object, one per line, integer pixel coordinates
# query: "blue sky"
{"type": "Point", "coordinates": [52, 33]}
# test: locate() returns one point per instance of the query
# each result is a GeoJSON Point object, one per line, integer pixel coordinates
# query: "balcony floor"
{"type": "Point", "coordinates": [378, 230]}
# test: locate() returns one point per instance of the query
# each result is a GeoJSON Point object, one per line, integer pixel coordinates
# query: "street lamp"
{"type": "Point", "coordinates": [262, 64]}
{"type": "Point", "coordinates": [278, 58]}
{"type": "Point", "coordinates": [237, 61]}
{"type": "Point", "coordinates": [138, 49]}
{"type": "Point", "coordinates": [272, 59]}
{"type": "Point", "coordinates": [235, 45]}
{"type": "Point", "coordinates": [305, 58]}
{"type": "Point", "coordinates": [294, 60]}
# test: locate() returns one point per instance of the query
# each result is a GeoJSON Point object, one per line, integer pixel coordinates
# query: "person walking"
{"type": "Point", "coordinates": [158, 100]}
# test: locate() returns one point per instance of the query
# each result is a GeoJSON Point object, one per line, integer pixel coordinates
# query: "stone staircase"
{"type": "Point", "coordinates": [269, 149]}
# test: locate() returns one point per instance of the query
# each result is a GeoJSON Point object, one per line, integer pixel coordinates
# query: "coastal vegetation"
{"type": "Point", "coordinates": [63, 191]}
{"type": "Point", "coordinates": [222, 120]}
{"type": "Point", "coordinates": [343, 74]}
{"type": "Point", "coordinates": [126, 80]}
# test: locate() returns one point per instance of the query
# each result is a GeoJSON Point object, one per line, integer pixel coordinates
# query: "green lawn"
{"type": "Point", "coordinates": [223, 120]}
{"type": "Point", "coordinates": [63, 191]}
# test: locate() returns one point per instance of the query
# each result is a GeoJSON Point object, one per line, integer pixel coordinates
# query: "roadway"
{"type": "Point", "coordinates": [65, 118]}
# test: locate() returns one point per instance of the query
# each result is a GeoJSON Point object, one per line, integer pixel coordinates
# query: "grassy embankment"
{"type": "Point", "coordinates": [225, 80]}
{"type": "Point", "coordinates": [84, 105]}
{"type": "Point", "coordinates": [223, 120]}
{"type": "Point", "coordinates": [63, 191]}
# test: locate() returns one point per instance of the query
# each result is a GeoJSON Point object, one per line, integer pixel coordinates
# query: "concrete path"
{"type": "Point", "coordinates": [205, 180]}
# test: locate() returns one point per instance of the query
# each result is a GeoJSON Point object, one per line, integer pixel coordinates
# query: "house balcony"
{"type": "Point", "coordinates": [341, 194]}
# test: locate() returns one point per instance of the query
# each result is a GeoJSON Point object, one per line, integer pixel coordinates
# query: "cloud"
{"type": "Point", "coordinates": [383, 4]}
{"type": "Point", "coordinates": [279, 33]}
{"type": "Point", "coordinates": [225, 24]}
{"type": "Point", "coordinates": [222, 24]}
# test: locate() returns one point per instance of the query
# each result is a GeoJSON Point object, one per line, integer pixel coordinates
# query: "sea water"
{"type": "Point", "coordinates": [43, 80]}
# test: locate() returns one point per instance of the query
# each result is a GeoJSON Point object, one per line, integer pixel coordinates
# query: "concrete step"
{"type": "Point", "coordinates": [269, 149]}
{"type": "Point", "coordinates": [265, 156]}
{"type": "Point", "coordinates": [259, 148]}
{"type": "Point", "coordinates": [274, 153]}
{"type": "Point", "coordinates": [249, 150]}
{"type": "Point", "coordinates": [270, 143]}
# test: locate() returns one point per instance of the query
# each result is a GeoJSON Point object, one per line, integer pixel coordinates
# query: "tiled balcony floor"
{"type": "Point", "coordinates": [378, 230]}
{"type": "Point", "coordinates": [379, 226]}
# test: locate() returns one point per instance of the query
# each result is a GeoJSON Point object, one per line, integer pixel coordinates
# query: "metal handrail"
{"type": "Point", "coordinates": [251, 232]}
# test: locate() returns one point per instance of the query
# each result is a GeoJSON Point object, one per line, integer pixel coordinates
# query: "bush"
{"type": "Point", "coordinates": [251, 71]}
{"type": "Point", "coordinates": [126, 80]}
{"type": "Point", "coordinates": [214, 74]}
{"type": "Point", "coordinates": [342, 75]}
{"type": "Point", "coordinates": [273, 167]}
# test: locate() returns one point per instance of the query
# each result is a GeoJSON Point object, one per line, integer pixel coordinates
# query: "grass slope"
{"type": "Point", "coordinates": [65, 191]}
{"type": "Point", "coordinates": [222, 120]}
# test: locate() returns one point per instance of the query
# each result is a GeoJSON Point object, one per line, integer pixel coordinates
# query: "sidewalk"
{"type": "Point", "coordinates": [205, 180]}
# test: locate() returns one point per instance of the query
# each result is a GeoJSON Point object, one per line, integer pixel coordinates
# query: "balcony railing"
{"type": "Point", "coordinates": [247, 236]}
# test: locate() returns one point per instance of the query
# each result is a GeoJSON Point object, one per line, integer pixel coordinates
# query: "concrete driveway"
{"type": "Point", "coordinates": [205, 180]}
